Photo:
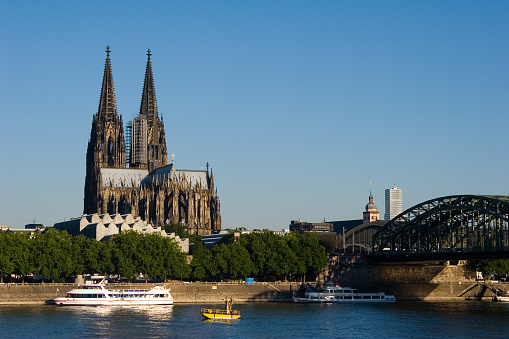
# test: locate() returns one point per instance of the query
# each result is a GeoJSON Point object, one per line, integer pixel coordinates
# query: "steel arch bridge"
{"type": "Point", "coordinates": [452, 227]}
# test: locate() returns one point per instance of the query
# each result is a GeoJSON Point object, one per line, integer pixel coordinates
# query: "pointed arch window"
{"type": "Point", "coordinates": [111, 148]}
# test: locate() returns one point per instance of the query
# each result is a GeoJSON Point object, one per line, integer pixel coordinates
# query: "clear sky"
{"type": "Point", "coordinates": [296, 105]}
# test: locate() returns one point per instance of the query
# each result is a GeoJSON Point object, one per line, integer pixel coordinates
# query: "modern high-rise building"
{"type": "Point", "coordinates": [393, 202]}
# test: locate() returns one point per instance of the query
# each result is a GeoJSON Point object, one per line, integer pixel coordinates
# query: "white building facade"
{"type": "Point", "coordinates": [393, 202]}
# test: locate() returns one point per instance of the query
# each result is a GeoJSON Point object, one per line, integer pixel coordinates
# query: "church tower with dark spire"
{"type": "Point", "coordinates": [148, 128]}
{"type": "Point", "coordinates": [149, 188]}
{"type": "Point", "coordinates": [106, 147]}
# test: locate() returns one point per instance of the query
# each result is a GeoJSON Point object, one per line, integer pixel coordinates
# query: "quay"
{"type": "Point", "coordinates": [182, 292]}
{"type": "Point", "coordinates": [207, 292]}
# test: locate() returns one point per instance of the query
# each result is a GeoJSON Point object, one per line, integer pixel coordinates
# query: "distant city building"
{"type": "Point", "coordinates": [104, 226]}
{"type": "Point", "coordinates": [27, 229]}
{"type": "Point", "coordinates": [302, 226]}
{"type": "Point", "coordinates": [371, 213]}
{"type": "Point", "coordinates": [393, 202]}
{"type": "Point", "coordinates": [33, 226]}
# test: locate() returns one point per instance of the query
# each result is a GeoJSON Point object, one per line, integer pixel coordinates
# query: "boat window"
{"type": "Point", "coordinates": [366, 297]}
{"type": "Point", "coordinates": [348, 297]}
{"type": "Point", "coordinates": [356, 296]}
{"type": "Point", "coordinates": [376, 297]}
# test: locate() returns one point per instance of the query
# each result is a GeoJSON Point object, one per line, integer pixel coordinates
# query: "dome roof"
{"type": "Point", "coordinates": [370, 206]}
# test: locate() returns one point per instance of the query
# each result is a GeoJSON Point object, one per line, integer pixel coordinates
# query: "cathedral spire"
{"type": "Point", "coordinates": [148, 105]}
{"type": "Point", "coordinates": [107, 103]}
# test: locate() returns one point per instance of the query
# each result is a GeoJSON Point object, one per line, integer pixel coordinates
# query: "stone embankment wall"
{"type": "Point", "coordinates": [181, 292]}
{"type": "Point", "coordinates": [430, 281]}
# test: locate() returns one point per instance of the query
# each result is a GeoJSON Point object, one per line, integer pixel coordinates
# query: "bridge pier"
{"type": "Point", "coordinates": [432, 280]}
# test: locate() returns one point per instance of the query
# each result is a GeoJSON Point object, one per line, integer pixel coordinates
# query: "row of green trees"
{"type": "Point", "coordinates": [264, 255]}
{"type": "Point", "coordinates": [55, 254]}
{"type": "Point", "coordinates": [497, 267]}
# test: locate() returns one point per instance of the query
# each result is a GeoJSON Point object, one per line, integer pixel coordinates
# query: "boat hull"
{"type": "Point", "coordinates": [108, 302]}
{"type": "Point", "coordinates": [220, 316]}
{"type": "Point", "coordinates": [228, 313]}
{"type": "Point", "coordinates": [388, 299]}
{"type": "Point", "coordinates": [95, 294]}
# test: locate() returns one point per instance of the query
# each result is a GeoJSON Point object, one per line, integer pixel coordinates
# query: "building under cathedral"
{"type": "Point", "coordinates": [134, 177]}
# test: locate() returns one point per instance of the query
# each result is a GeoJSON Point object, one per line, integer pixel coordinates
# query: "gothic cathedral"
{"type": "Point", "coordinates": [133, 176]}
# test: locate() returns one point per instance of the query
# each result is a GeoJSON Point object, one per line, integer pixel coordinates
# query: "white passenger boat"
{"type": "Point", "coordinates": [339, 294]}
{"type": "Point", "coordinates": [96, 294]}
{"type": "Point", "coordinates": [500, 295]}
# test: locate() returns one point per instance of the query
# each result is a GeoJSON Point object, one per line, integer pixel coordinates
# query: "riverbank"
{"type": "Point", "coordinates": [196, 292]}
{"type": "Point", "coordinates": [207, 292]}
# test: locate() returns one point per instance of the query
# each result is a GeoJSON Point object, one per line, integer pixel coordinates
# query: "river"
{"type": "Point", "coordinates": [468, 319]}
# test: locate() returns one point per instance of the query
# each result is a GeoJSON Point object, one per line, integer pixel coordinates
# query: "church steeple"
{"type": "Point", "coordinates": [156, 140]}
{"type": "Point", "coordinates": [371, 214]}
{"type": "Point", "coordinates": [106, 147]}
{"type": "Point", "coordinates": [148, 97]}
{"type": "Point", "coordinates": [107, 104]}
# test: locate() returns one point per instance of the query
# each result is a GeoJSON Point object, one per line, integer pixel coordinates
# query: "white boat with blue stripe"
{"type": "Point", "coordinates": [96, 294]}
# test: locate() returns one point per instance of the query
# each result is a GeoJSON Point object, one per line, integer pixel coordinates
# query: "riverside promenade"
{"type": "Point", "coordinates": [182, 292]}
{"type": "Point", "coordinates": [214, 292]}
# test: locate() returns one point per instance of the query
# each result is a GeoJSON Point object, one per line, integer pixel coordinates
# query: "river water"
{"type": "Point", "coordinates": [468, 319]}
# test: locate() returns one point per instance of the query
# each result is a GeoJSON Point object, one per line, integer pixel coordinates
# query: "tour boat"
{"type": "Point", "coordinates": [227, 313]}
{"type": "Point", "coordinates": [96, 294]}
{"type": "Point", "coordinates": [339, 294]}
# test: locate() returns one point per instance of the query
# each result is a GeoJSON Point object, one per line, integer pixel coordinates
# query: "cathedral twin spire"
{"type": "Point", "coordinates": [148, 139]}
{"type": "Point", "coordinates": [107, 103]}
{"type": "Point", "coordinates": [148, 105]}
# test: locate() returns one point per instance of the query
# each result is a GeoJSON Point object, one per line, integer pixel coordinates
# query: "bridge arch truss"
{"type": "Point", "coordinates": [458, 223]}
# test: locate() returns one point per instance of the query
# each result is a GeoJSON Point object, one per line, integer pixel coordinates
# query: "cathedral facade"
{"type": "Point", "coordinates": [134, 177]}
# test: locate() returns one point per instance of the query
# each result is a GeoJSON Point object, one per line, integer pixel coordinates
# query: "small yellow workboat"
{"type": "Point", "coordinates": [228, 313]}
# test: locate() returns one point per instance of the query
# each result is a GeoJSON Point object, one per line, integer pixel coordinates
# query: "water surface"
{"type": "Point", "coordinates": [262, 320]}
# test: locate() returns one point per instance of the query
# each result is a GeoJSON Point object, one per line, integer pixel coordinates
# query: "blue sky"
{"type": "Point", "coordinates": [296, 105]}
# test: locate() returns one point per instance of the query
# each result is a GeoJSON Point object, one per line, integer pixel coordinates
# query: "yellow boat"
{"type": "Point", "coordinates": [228, 313]}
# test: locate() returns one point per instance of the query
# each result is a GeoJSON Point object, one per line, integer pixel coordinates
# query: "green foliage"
{"type": "Point", "coordinates": [195, 238]}
{"type": "Point", "coordinates": [498, 267]}
{"type": "Point", "coordinates": [56, 255]}
{"type": "Point", "coordinates": [150, 254]}
{"type": "Point", "coordinates": [264, 255]}
{"type": "Point", "coordinates": [52, 254]}
{"type": "Point", "coordinates": [202, 263]}
{"type": "Point", "coordinates": [6, 255]}
{"type": "Point", "coordinates": [177, 228]}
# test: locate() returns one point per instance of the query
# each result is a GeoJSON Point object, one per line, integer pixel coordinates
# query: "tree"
{"type": "Point", "coordinates": [125, 246]}
{"type": "Point", "coordinates": [177, 228]}
{"type": "Point", "coordinates": [6, 255]}
{"type": "Point", "coordinates": [52, 254]}
{"type": "Point", "coordinates": [23, 259]}
{"type": "Point", "coordinates": [202, 262]}
{"type": "Point", "coordinates": [499, 267]}
{"type": "Point", "coordinates": [174, 260]}
{"type": "Point", "coordinates": [310, 252]}
{"type": "Point", "coordinates": [239, 263]}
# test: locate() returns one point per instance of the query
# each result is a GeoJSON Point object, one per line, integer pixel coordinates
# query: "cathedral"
{"type": "Point", "coordinates": [131, 175]}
